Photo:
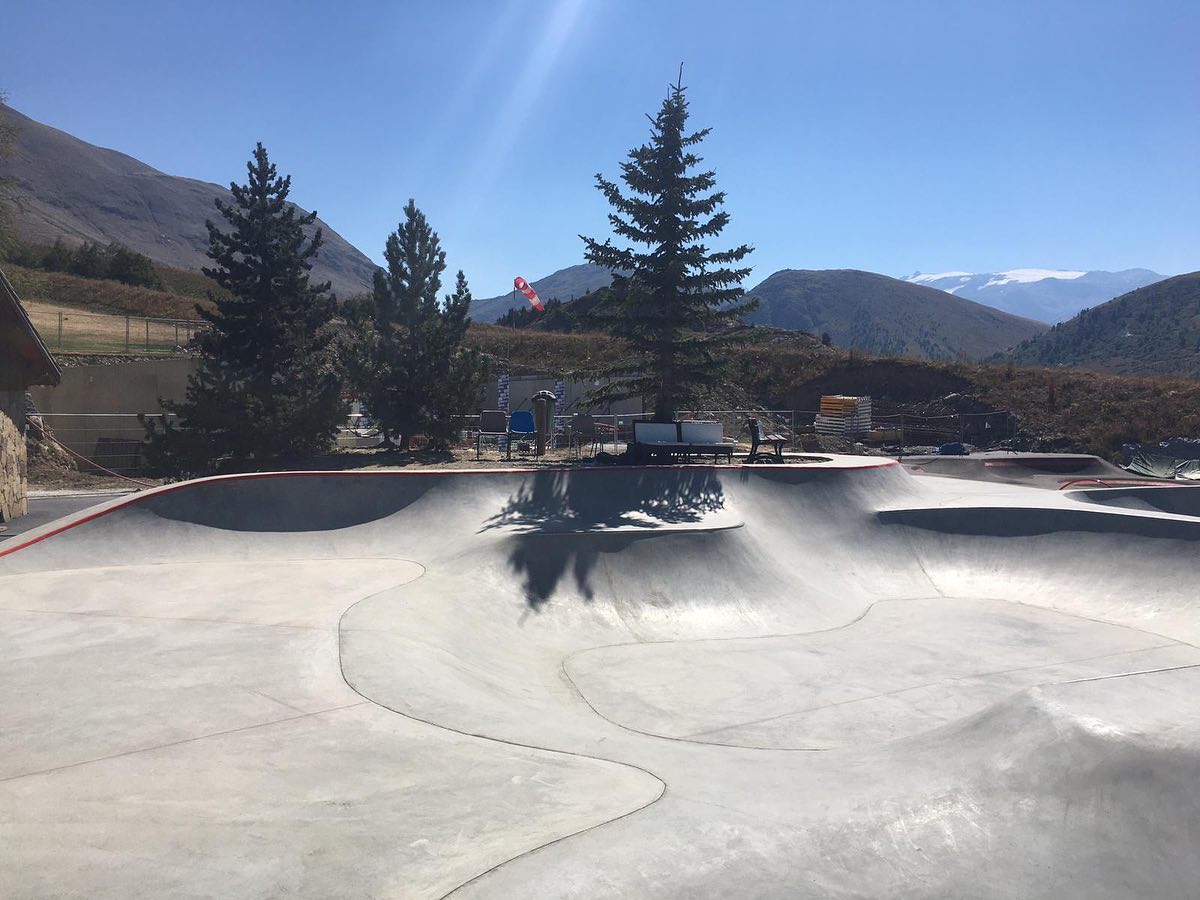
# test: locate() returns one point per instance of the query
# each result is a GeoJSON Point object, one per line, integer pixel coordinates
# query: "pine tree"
{"type": "Point", "coordinates": [674, 303]}
{"type": "Point", "coordinates": [407, 362]}
{"type": "Point", "coordinates": [268, 387]}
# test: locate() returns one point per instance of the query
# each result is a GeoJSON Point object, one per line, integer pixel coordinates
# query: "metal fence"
{"type": "Point", "coordinates": [110, 440]}
{"type": "Point", "coordinates": [116, 441]}
{"type": "Point", "coordinates": [86, 332]}
{"type": "Point", "coordinates": [895, 429]}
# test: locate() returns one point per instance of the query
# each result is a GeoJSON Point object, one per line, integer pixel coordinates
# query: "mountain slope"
{"type": "Point", "coordinates": [565, 285]}
{"type": "Point", "coordinates": [879, 314]}
{"type": "Point", "coordinates": [1154, 330]}
{"type": "Point", "coordinates": [71, 190]}
{"type": "Point", "coordinates": [1047, 295]}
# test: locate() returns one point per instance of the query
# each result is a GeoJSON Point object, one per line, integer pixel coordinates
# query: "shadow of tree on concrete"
{"type": "Point", "coordinates": [574, 502]}
{"type": "Point", "coordinates": [564, 521]}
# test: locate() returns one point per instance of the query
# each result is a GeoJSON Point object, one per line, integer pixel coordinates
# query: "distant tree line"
{"type": "Point", "coordinates": [558, 315]}
{"type": "Point", "coordinates": [114, 262]}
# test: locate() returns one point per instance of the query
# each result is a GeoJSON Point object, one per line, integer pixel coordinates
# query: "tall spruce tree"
{"type": "Point", "coordinates": [407, 361]}
{"type": "Point", "coordinates": [674, 303]}
{"type": "Point", "coordinates": [268, 387]}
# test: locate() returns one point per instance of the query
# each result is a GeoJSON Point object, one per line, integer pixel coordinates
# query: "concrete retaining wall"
{"type": "Point", "coordinates": [126, 387]}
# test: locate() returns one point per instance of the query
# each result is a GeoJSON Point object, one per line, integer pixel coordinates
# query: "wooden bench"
{"type": "Point", "coordinates": [758, 438]}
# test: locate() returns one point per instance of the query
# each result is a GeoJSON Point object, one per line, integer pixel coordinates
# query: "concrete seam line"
{"type": "Point", "coordinates": [106, 615]}
{"type": "Point", "coordinates": [205, 562]}
{"type": "Point", "coordinates": [563, 666]}
{"type": "Point", "coordinates": [662, 793]}
{"type": "Point", "coordinates": [510, 743]}
{"type": "Point", "coordinates": [946, 683]}
{"type": "Point", "coordinates": [1099, 621]}
{"type": "Point", "coordinates": [191, 740]}
{"type": "Point", "coordinates": [1129, 674]}
{"type": "Point", "coordinates": [692, 739]}
{"type": "Point", "coordinates": [683, 740]}
{"type": "Point", "coordinates": [55, 612]}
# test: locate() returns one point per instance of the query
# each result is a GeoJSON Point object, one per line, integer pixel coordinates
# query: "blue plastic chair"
{"type": "Point", "coordinates": [520, 424]}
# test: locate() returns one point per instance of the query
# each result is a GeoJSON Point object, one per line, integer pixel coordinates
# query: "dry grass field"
{"type": "Point", "coordinates": [72, 330]}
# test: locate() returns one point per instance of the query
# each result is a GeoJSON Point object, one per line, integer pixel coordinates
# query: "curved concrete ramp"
{"type": "Point", "coordinates": [834, 679]}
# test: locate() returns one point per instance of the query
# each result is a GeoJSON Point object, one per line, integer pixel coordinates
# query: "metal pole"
{"type": "Point", "coordinates": [60, 331]}
{"type": "Point", "coordinates": [147, 334]}
{"type": "Point", "coordinates": [127, 334]}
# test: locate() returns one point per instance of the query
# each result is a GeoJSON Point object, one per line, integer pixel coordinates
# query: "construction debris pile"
{"type": "Point", "coordinates": [844, 416]}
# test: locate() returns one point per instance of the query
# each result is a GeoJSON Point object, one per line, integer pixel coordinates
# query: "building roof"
{"type": "Point", "coordinates": [24, 357]}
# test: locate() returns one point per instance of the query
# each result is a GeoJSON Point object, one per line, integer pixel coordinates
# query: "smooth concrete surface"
{"type": "Point", "coordinates": [838, 679]}
{"type": "Point", "coordinates": [45, 507]}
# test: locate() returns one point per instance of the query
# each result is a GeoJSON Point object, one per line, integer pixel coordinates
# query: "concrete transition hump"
{"type": "Point", "coordinates": [834, 679]}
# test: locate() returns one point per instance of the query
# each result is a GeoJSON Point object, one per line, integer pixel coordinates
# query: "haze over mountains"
{"type": "Point", "coordinates": [71, 190]}
{"type": "Point", "coordinates": [75, 191]}
{"type": "Point", "coordinates": [565, 285]}
{"type": "Point", "coordinates": [1154, 330]}
{"type": "Point", "coordinates": [883, 315]}
{"type": "Point", "coordinates": [863, 310]}
{"type": "Point", "coordinates": [1047, 295]}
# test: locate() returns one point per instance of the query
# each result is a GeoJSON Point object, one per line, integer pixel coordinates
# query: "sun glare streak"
{"type": "Point", "coordinates": [485, 57]}
{"type": "Point", "coordinates": [538, 60]}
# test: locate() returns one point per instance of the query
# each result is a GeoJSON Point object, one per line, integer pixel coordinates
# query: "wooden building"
{"type": "Point", "coordinates": [24, 361]}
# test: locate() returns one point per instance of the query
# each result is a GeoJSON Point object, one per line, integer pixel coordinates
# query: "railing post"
{"type": "Point", "coordinates": [147, 334]}
{"type": "Point", "coordinates": [127, 334]}
{"type": "Point", "coordinates": [60, 318]}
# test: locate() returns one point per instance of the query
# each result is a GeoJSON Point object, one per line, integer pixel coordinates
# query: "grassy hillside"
{"type": "Point", "coordinates": [878, 314]}
{"type": "Point", "coordinates": [71, 190]}
{"type": "Point", "coordinates": [110, 297]}
{"type": "Point", "coordinates": [1064, 409]}
{"type": "Point", "coordinates": [1153, 330]}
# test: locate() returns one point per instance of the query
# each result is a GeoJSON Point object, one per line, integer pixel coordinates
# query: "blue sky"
{"type": "Point", "coordinates": [889, 136]}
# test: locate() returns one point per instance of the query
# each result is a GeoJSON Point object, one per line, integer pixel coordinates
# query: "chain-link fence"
{"type": "Point", "coordinates": [116, 441]}
{"type": "Point", "coordinates": [614, 432]}
{"type": "Point", "coordinates": [98, 441]}
{"type": "Point", "coordinates": [86, 332]}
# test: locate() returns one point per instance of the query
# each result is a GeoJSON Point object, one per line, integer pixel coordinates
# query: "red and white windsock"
{"type": "Point", "coordinates": [530, 294]}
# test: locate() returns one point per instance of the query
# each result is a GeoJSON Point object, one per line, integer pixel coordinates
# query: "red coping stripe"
{"type": "Point", "coordinates": [184, 485]}
{"type": "Point", "coordinates": [1121, 482]}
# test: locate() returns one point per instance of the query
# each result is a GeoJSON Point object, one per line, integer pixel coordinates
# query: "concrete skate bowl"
{"type": "Point", "coordinates": [1182, 499]}
{"type": "Point", "coordinates": [1043, 469]}
{"type": "Point", "coordinates": [834, 679]}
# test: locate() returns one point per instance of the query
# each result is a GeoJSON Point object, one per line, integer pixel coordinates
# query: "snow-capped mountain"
{"type": "Point", "coordinates": [1048, 295]}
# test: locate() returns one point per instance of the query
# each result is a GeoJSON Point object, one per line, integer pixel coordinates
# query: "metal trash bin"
{"type": "Point", "coordinates": [543, 418]}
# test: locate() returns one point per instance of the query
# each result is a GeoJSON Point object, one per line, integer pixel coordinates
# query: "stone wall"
{"type": "Point", "coordinates": [13, 467]}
